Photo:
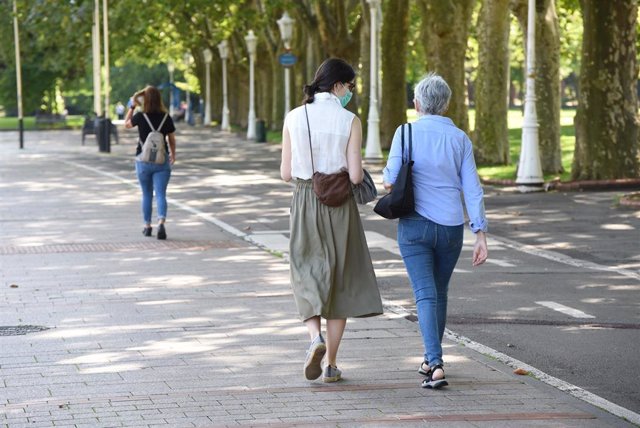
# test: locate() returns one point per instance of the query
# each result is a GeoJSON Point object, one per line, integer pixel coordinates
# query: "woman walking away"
{"type": "Point", "coordinates": [152, 176]}
{"type": "Point", "coordinates": [331, 272]}
{"type": "Point", "coordinates": [430, 239]}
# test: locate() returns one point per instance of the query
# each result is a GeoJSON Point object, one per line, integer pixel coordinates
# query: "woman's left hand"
{"type": "Point", "coordinates": [172, 158]}
{"type": "Point", "coordinates": [480, 251]}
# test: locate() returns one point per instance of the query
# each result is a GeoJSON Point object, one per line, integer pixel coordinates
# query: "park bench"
{"type": "Point", "coordinates": [89, 128]}
{"type": "Point", "coordinates": [48, 119]}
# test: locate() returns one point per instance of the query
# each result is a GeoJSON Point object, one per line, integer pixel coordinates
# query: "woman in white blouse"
{"type": "Point", "coordinates": [331, 271]}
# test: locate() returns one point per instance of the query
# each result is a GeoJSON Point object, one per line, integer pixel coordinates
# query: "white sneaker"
{"type": "Point", "coordinates": [331, 374]}
{"type": "Point", "coordinates": [315, 354]}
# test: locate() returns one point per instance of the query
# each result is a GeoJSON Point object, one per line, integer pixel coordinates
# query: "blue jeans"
{"type": "Point", "coordinates": [430, 252]}
{"type": "Point", "coordinates": [153, 177]}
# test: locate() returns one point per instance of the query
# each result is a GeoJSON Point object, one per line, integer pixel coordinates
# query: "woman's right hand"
{"type": "Point", "coordinates": [480, 251]}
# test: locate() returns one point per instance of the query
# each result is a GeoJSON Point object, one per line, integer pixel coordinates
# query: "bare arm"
{"type": "Point", "coordinates": [127, 119]}
{"type": "Point", "coordinates": [172, 147]}
{"type": "Point", "coordinates": [354, 152]}
{"type": "Point", "coordinates": [285, 164]}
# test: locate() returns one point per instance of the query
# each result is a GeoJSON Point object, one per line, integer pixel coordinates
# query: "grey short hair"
{"type": "Point", "coordinates": [433, 94]}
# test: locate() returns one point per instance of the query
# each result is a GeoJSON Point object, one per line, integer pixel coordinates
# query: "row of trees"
{"type": "Point", "coordinates": [477, 45]}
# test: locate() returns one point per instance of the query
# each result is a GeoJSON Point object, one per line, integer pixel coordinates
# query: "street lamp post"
{"type": "Point", "coordinates": [97, 78]}
{"type": "Point", "coordinates": [171, 67]}
{"type": "Point", "coordinates": [373, 152]}
{"type": "Point", "coordinates": [105, 146]}
{"type": "Point", "coordinates": [285, 23]}
{"type": "Point", "coordinates": [207, 108]}
{"type": "Point", "coordinates": [16, 37]}
{"type": "Point", "coordinates": [529, 177]}
{"type": "Point", "coordinates": [251, 41]}
{"type": "Point", "coordinates": [223, 47]}
{"type": "Point", "coordinates": [187, 62]}
{"type": "Point", "coordinates": [107, 89]}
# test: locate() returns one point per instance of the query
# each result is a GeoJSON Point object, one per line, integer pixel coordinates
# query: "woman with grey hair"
{"type": "Point", "coordinates": [430, 239]}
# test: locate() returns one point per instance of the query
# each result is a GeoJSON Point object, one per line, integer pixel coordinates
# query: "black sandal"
{"type": "Point", "coordinates": [432, 383]}
{"type": "Point", "coordinates": [424, 372]}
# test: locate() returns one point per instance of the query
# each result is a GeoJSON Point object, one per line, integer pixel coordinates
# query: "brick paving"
{"type": "Point", "coordinates": [201, 330]}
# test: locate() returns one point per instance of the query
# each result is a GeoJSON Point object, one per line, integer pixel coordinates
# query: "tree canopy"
{"type": "Point", "coordinates": [416, 36]}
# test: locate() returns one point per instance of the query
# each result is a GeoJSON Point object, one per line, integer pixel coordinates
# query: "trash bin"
{"type": "Point", "coordinates": [103, 134]}
{"type": "Point", "coordinates": [261, 131]}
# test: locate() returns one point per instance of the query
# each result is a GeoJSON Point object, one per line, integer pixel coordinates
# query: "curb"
{"type": "Point", "coordinates": [576, 186]}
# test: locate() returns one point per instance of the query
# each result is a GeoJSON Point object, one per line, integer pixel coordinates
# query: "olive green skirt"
{"type": "Point", "coordinates": [331, 271]}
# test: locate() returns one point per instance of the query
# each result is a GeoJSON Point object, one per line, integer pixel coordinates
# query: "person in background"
{"type": "Point", "coordinates": [331, 271]}
{"type": "Point", "coordinates": [430, 239]}
{"type": "Point", "coordinates": [120, 110]}
{"type": "Point", "coordinates": [153, 177]}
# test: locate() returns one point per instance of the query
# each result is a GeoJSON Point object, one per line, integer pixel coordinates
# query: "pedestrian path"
{"type": "Point", "coordinates": [102, 327]}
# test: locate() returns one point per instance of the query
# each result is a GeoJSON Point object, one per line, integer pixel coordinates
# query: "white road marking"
{"type": "Point", "coordinates": [266, 220]}
{"type": "Point", "coordinates": [565, 309]}
{"type": "Point", "coordinates": [561, 258]}
{"type": "Point", "coordinates": [378, 240]}
{"type": "Point", "coordinates": [500, 263]}
{"type": "Point", "coordinates": [566, 387]}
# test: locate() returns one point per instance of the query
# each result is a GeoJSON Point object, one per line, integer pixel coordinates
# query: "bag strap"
{"type": "Point", "coordinates": [410, 142]}
{"type": "Point", "coordinates": [149, 122]}
{"type": "Point", "coordinates": [161, 123]}
{"type": "Point", "coordinates": [166, 115]}
{"type": "Point", "coordinates": [313, 168]}
{"type": "Point", "coordinates": [402, 141]}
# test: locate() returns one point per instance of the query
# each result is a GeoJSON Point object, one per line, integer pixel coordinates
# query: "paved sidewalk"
{"type": "Point", "coordinates": [201, 329]}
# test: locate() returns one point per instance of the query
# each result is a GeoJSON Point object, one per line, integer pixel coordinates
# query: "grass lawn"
{"type": "Point", "coordinates": [11, 123]}
{"type": "Point", "coordinates": [515, 118]}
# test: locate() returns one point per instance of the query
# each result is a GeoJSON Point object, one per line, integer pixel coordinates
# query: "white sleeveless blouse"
{"type": "Point", "coordinates": [330, 130]}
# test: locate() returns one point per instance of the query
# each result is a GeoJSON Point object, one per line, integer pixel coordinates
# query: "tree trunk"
{"type": "Point", "coordinates": [277, 95]}
{"type": "Point", "coordinates": [339, 36]}
{"type": "Point", "coordinates": [339, 26]}
{"type": "Point", "coordinates": [607, 117]}
{"type": "Point", "coordinates": [491, 136]}
{"type": "Point", "coordinates": [547, 80]}
{"type": "Point", "coordinates": [395, 36]}
{"type": "Point", "coordinates": [444, 36]}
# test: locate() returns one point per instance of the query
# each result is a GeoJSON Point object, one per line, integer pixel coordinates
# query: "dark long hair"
{"type": "Point", "coordinates": [330, 72]}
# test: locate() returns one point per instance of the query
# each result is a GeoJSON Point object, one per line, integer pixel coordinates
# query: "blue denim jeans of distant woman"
{"type": "Point", "coordinates": [430, 252]}
{"type": "Point", "coordinates": [153, 177]}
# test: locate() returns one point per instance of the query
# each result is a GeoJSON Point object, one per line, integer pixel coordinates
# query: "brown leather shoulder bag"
{"type": "Point", "coordinates": [332, 190]}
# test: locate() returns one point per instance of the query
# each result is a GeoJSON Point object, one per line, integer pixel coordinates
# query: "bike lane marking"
{"type": "Point", "coordinates": [565, 309]}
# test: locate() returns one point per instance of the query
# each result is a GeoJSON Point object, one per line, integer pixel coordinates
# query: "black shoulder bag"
{"type": "Point", "coordinates": [399, 202]}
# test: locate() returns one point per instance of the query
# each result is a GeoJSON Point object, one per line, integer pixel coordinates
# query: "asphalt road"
{"type": "Point", "coordinates": [579, 250]}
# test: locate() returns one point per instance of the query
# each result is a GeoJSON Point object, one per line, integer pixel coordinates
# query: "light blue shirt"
{"type": "Point", "coordinates": [443, 168]}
